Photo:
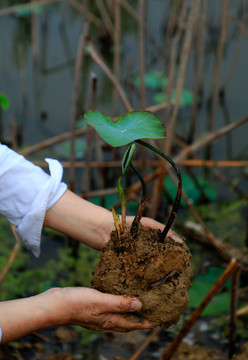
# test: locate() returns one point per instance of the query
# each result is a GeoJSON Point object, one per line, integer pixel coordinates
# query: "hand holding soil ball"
{"type": "Point", "coordinates": [142, 262]}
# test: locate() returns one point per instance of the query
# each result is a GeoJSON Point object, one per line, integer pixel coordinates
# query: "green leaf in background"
{"type": "Point", "coordinates": [187, 98]}
{"type": "Point", "coordinates": [127, 128]}
{"type": "Point", "coordinates": [29, 10]}
{"type": "Point", "coordinates": [190, 188]}
{"type": "Point", "coordinates": [153, 81]}
{"type": "Point", "coordinates": [4, 101]}
{"type": "Point", "coordinates": [63, 149]}
{"type": "Point", "coordinates": [110, 200]}
{"type": "Point", "coordinates": [220, 304]}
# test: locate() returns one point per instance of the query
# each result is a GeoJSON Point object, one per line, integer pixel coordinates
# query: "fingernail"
{"type": "Point", "coordinates": [135, 304]}
{"type": "Point", "coordinates": [176, 238]}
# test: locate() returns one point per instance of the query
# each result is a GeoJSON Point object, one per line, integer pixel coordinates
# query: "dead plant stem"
{"type": "Point", "coordinates": [197, 85]}
{"type": "Point", "coordinates": [87, 14]}
{"type": "Point", "coordinates": [181, 72]}
{"type": "Point", "coordinates": [146, 343]}
{"type": "Point", "coordinates": [135, 16]}
{"type": "Point", "coordinates": [152, 163]}
{"type": "Point", "coordinates": [117, 30]}
{"type": "Point", "coordinates": [142, 54]}
{"type": "Point", "coordinates": [12, 256]}
{"type": "Point", "coordinates": [198, 144]}
{"type": "Point", "coordinates": [98, 59]}
{"type": "Point", "coordinates": [89, 137]}
{"type": "Point", "coordinates": [105, 16]}
{"type": "Point", "coordinates": [233, 311]}
{"type": "Point", "coordinates": [75, 96]}
{"type": "Point", "coordinates": [216, 76]}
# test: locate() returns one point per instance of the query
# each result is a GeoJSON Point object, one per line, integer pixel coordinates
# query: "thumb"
{"type": "Point", "coordinates": [119, 304]}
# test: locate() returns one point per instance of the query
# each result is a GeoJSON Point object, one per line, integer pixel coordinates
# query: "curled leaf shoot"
{"type": "Point", "coordinates": [141, 209]}
{"type": "Point", "coordinates": [127, 158]}
{"type": "Point", "coordinates": [123, 204]}
{"type": "Point", "coordinates": [179, 188]}
{"type": "Point", "coordinates": [117, 222]}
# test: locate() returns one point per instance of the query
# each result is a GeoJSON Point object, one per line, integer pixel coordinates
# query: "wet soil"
{"type": "Point", "coordinates": [157, 273]}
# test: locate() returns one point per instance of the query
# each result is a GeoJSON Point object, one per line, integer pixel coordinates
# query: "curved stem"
{"type": "Point", "coordinates": [136, 221]}
{"type": "Point", "coordinates": [179, 188]}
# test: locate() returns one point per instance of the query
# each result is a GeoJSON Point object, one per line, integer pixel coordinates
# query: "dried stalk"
{"type": "Point", "coordinates": [181, 26]}
{"type": "Point", "coordinates": [75, 95]}
{"type": "Point", "coordinates": [117, 31]}
{"type": "Point", "coordinates": [170, 129]}
{"type": "Point", "coordinates": [98, 59]}
{"type": "Point", "coordinates": [105, 16]}
{"type": "Point", "coordinates": [234, 60]}
{"type": "Point", "coordinates": [89, 137]}
{"type": "Point", "coordinates": [142, 54]}
{"type": "Point", "coordinates": [12, 256]}
{"type": "Point", "coordinates": [151, 163]}
{"type": "Point", "coordinates": [229, 271]}
{"type": "Point", "coordinates": [87, 14]}
{"type": "Point", "coordinates": [233, 311]}
{"type": "Point", "coordinates": [201, 22]}
{"type": "Point", "coordinates": [182, 70]}
{"type": "Point", "coordinates": [215, 87]}
{"type": "Point", "coordinates": [170, 27]}
{"type": "Point", "coordinates": [145, 344]}
{"type": "Point", "coordinates": [198, 144]}
{"type": "Point", "coordinates": [49, 142]}
{"type": "Point", "coordinates": [135, 16]}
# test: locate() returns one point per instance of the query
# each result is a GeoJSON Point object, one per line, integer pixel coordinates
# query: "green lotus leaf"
{"type": "Point", "coordinates": [187, 98]}
{"type": "Point", "coordinates": [153, 81]}
{"type": "Point", "coordinates": [127, 128]}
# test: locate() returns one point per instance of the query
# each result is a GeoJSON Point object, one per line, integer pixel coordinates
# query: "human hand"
{"type": "Point", "coordinates": [94, 310]}
{"type": "Point", "coordinates": [88, 223]}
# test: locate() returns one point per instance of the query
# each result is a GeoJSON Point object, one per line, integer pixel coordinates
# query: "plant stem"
{"type": "Point", "coordinates": [179, 188]}
{"type": "Point", "coordinates": [136, 221]}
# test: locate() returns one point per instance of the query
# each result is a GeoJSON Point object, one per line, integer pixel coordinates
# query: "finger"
{"type": "Point", "coordinates": [120, 322]}
{"type": "Point", "coordinates": [174, 236]}
{"type": "Point", "coordinates": [117, 304]}
{"type": "Point", "coordinates": [148, 222]}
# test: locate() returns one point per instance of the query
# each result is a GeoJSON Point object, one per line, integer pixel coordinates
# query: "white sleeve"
{"type": "Point", "coordinates": [26, 193]}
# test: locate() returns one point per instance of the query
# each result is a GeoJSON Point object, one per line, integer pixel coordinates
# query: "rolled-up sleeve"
{"type": "Point", "coordinates": [26, 193]}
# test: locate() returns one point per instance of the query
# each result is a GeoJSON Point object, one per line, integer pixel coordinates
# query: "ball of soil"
{"type": "Point", "coordinates": [157, 273]}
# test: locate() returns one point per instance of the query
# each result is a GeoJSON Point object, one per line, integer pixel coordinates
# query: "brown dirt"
{"type": "Point", "coordinates": [158, 274]}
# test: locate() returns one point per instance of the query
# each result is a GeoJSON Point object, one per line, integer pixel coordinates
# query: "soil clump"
{"type": "Point", "coordinates": [157, 273]}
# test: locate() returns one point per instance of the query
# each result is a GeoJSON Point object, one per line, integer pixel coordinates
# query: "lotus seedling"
{"type": "Point", "coordinates": [131, 129]}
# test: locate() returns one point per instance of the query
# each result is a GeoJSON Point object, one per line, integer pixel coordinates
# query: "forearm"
{"type": "Point", "coordinates": [24, 316]}
{"type": "Point", "coordinates": [80, 219]}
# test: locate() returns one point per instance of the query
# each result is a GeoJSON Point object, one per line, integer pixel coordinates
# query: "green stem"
{"type": "Point", "coordinates": [140, 212]}
{"type": "Point", "coordinates": [123, 204]}
{"type": "Point", "coordinates": [179, 188]}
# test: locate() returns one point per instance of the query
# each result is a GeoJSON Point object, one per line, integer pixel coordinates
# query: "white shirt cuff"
{"type": "Point", "coordinates": [30, 228]}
